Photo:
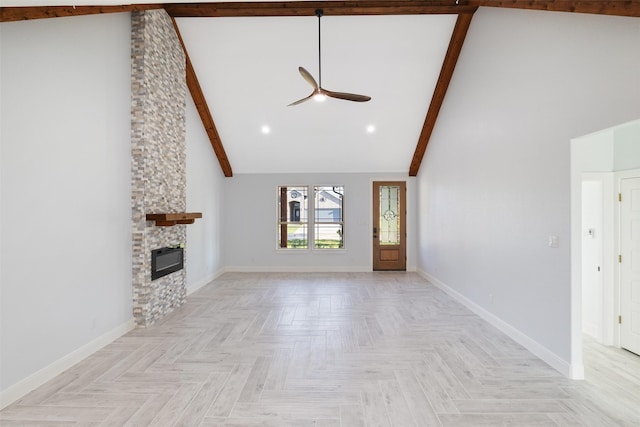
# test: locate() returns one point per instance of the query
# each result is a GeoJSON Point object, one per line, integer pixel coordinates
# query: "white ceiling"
{"type": "Point", "coordinates": [248, 71]}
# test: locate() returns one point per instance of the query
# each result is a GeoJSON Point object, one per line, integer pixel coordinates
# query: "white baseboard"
{"type": "Point", "coordinates": [35, 380]}
{"type": "Point", "coordinates": [302, 269]}
{"type": "Point", "coordinates": [203, 282]}
{"type": "Point", "coordinates": [577, 371]}
{"type": "Point", "coordinates": [552, 359]}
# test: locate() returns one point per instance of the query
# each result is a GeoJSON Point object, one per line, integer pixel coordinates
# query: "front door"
{"type": "Point", "coordinates": [630, 264]}
{"type": "Point", "coordinates": [389, 225]}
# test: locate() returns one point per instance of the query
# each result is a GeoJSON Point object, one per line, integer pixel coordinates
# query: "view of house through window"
{"type": "Point", "coordinates": [328, 224]}
{"type": "Point", "coordinates": [303, 225]}
{"type": "Point", "coordinates": [293, 230]}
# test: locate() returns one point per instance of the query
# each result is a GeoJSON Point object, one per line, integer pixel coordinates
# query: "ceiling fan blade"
{"type": "Point", "coordinates": [300, 101]}
{"type": "Point", "coordinates": [308, 77]}
{"type": "Point", "coordinates": [347, 96]}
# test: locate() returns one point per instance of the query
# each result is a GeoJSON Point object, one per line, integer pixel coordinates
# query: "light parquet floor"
{"type": "Point", "coordinates": [340, 349]}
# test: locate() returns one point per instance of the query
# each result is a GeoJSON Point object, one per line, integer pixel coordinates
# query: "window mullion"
{"type": "Point", "coordinates": [311, 224]}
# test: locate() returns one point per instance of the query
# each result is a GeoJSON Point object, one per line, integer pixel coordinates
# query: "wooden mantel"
{"type": "Point", "coordinates": [169, 219]}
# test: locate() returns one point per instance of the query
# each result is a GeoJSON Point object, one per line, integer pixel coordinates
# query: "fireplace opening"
{"type": "Point", "coordinates": [165, 261]}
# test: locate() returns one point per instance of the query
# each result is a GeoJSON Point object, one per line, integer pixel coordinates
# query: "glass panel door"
{"type": "Point", "coordinates": [389, 226]}
{"type": "Point", "coordinates": [389, 219]}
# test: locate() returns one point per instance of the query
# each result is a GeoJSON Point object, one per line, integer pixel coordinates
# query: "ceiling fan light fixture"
{"type": "Point", "coordinates": [319, 97]}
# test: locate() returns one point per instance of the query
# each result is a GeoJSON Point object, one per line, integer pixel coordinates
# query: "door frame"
{"type": "Point", "coordinates": [593, 248]}
{"type": "Point", "coordinates": [590, 153]}
{"type": "Point", "coordinates": [609, 308]}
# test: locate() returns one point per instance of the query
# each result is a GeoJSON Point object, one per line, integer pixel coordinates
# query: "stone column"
{"type": "Point", "coordinates": [158, 148]}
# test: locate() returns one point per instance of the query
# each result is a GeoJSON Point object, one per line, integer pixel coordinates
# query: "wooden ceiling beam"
{"type": "Point", "coordinates": [601, 7]}
{"type": "Point", "coordinates": [203, 110]}
{"type": "Point", "coordinates": [308, 8]}
{"type": "Point", "coordinates": [446, 72]}
{"type": "Point", "coordinates": [19, 13]}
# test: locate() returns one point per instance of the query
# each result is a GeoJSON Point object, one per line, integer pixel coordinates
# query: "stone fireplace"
{"type": "Point", "coordinates": [158, 148]}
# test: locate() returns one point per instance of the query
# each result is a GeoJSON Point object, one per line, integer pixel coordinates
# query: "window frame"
{"type": "Point", "coordinates": [316, 221]}
{"type": "Point", "coordinates": [311, 190]}
{"type": "Point", "coordinates": [281, 223]}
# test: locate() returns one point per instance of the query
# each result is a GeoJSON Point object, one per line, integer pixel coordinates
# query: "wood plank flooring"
{"type": "Point", "coordinates": [340, 349]}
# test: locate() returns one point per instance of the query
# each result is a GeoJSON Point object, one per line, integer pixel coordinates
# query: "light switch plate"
{"type": "Point", "coordinates": [554, 241]}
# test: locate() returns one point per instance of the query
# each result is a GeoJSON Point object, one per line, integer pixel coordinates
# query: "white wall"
{"type": "Point", "coordinates": [626, 139]}
{"type": "Point", "coordinates": [205, 182]}
{"type": "Point", "coordinates": [593, 152]}
{"type": "Point", "coordinates": [616, 148]}
{"type": "Point", "coordinates": [495, 181]}
{"type": "Point", "coordinates": [66, 201]}
{"type": "Point", "coordinates": [250, 232]}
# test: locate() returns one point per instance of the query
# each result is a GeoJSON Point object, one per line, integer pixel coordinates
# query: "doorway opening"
{"type": "Point", "coordinates": [599, 163]}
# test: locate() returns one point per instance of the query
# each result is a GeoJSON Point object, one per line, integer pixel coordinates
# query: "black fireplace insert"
{"type": "Point", "coordinates": [165, 261]}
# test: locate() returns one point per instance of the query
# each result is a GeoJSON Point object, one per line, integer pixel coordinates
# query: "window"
{"type": "Point", "coordinates": [293, 218]}
{"type": "Point", "coordinates": [328, 224]}
{"type": "Point", "coordinates": [319, 225]}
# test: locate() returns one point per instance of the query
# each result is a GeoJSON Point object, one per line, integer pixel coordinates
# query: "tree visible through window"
{"type": "Point", "coordinates": [302, 225]}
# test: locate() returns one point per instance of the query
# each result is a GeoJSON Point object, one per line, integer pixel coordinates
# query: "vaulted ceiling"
{"type": "Point", "coordinates": [243, 72]}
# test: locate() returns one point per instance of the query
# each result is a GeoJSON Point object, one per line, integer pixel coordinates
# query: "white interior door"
{"type": "Point", "coordinates": [630, 264]}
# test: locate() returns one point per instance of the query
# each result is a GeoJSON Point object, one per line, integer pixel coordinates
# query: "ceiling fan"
{"type": "Point", "coordinates": [319, 93]}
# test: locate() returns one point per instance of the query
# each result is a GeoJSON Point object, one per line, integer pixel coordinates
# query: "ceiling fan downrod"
{"type": "Point", "coordinates": [319, 13]}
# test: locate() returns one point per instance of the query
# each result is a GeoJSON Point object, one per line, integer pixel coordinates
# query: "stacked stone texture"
{"type": "Point", "coordinates": [158, 108]}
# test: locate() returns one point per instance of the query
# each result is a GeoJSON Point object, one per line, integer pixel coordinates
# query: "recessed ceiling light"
{"type": "Point", "coordinates": [371, 129]}
{"type": "Point", "coordinates": [266, 129]}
